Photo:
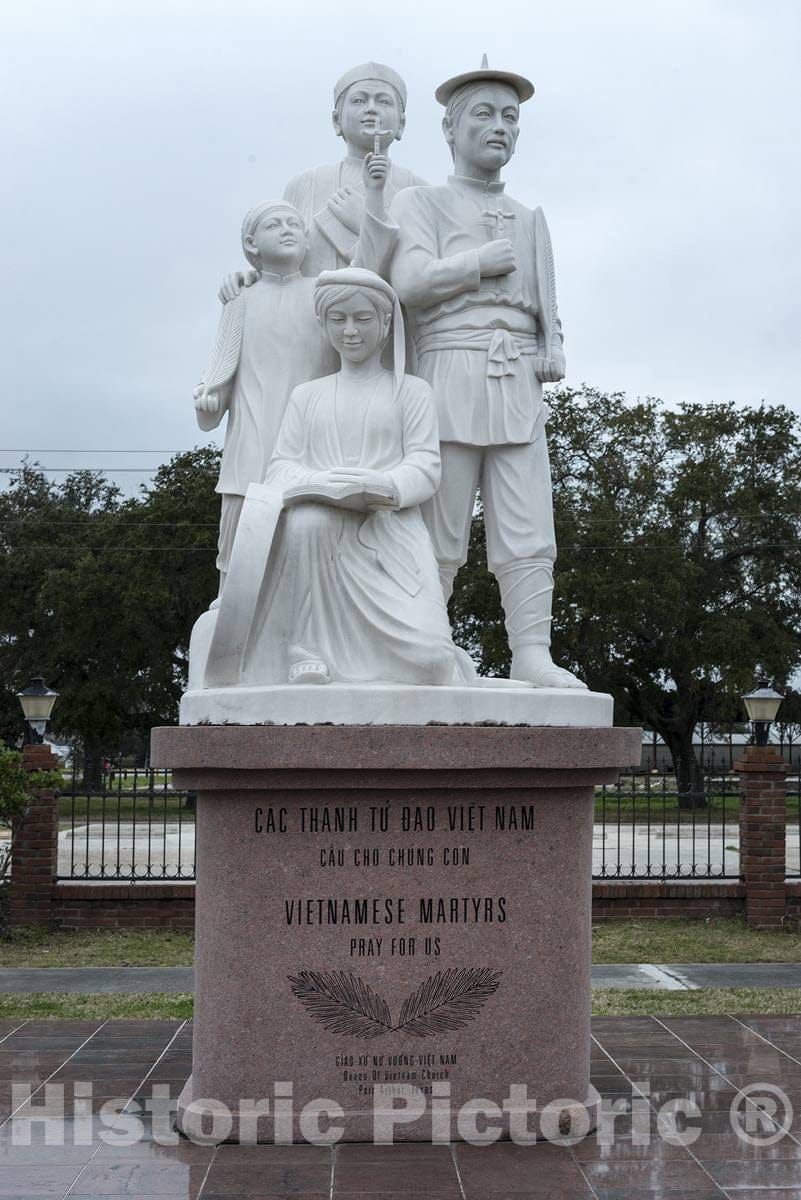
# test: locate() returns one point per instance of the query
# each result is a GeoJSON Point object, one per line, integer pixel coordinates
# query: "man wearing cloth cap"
{"type": "Point", "coordinates": [368, 98]}
{"type": "Point", "coordinates": [331, 198]}
{"type": "Point", "coordinates": [475, 271]}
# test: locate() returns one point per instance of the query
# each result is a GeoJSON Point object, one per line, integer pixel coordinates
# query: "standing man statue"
{"type": "Point", "coordinates": [474, 269]}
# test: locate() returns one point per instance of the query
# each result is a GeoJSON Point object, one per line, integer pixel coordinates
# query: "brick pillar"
{"type": "Point", "coordinates": [763, 820]}
{"type": "Point", "coordinates": [35, 857]}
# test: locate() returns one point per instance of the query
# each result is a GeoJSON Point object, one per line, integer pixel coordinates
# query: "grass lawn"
{"type": "Point", "coordinates": [139, 1006]}
{"type": "Point", "coordinates": [613, 942]}
{"type": "Point", "coordinates": [130, 794]}
{"type": "Point", "coordinates": [124, 807]}
{"type": "Point", "coordinates": [626, 807]}
{"type": "Point", "coordinates": [636, 1002]}
{"type": "Point", "coordinates": [643, 797]}
{"type": "Point", "coordinates": [126, 800]}
{"type": "Point", "coordinates": [680, 941]}
{"type": "Point", "coordinates": [98, 948]}
{"type": "Point", "coordinates": [606, 1003]}
{"type": "Point", "coordinates": [625, 941]}
{"type": "Point", "coordinates": [640, 808]}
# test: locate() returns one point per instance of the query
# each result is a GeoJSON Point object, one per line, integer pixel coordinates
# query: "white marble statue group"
{"type": "Point", "coordinates": [348, 485]}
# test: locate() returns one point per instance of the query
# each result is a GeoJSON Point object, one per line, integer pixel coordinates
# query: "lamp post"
{"type": "Point", "coordinates": [762, 705]}
{"type": "Point", "coordinates": [35, 860]}
{"type": "Point", "coordinates": [37, 702]}
{"type": "Point", "coordinates": [763, 815]}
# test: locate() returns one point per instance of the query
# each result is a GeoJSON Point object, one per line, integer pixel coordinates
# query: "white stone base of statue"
{"type": "Point", "coordinates": [506, 703]}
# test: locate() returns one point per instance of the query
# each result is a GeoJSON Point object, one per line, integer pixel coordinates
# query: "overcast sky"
{"type": "Point", "coordinates": [663, 143]}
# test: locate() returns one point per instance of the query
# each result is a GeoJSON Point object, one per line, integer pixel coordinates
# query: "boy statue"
{"type": "Point", "coordinates": [268, 341]}
{"type": "Point", "coordinates": [367, 99]}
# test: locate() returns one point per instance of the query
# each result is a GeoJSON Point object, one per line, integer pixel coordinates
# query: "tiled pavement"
{"type": "Point", "coordinates": [707, 1059]}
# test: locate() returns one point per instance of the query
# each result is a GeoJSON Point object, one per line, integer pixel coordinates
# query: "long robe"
{"type": "Point", "coordinates": [268, 341]}
{"type": "Point", "coordinates": [332, 244]}
{"type": "Point", "coordinates": [358, 591]}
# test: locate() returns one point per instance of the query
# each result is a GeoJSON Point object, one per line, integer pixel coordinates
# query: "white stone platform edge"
{"type": "Point", "coordinates": [505, 703]}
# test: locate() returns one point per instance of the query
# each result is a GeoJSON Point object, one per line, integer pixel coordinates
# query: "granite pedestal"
{"type": "Point", "coordinates": [392, 922]}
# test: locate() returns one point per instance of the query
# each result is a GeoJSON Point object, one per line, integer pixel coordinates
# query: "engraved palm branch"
{"type": "Point", "coordinates": [344, 1003]}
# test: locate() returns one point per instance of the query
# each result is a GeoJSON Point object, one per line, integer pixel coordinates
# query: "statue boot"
{"type": "Point", "coordinates": [307, 667]}
{"type": "Point", "coordinates": [527, 594]}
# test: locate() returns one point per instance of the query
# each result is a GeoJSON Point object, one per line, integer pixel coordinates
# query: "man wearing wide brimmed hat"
{"type": "Point", "coordinates": [475, 270]}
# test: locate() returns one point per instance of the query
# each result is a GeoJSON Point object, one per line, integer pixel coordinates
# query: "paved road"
{"type": "Point", "coordinates": [96, 979]}
{"type": "Point", "coordinates": [634, 847]}
{"type": "Point", "coordinates": [637, 848]}
{"type": "Point", "coordinates": [119, 845]}
{"type": "Point", "coordinates": [691, 976]}
{"type": "Point", "coordinates": [653, 976]}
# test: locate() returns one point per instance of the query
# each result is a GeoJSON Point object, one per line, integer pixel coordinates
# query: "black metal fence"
{"type": "Point", "coordinates": [645, 828]}
{"type": "Point", "coordinates": [135, 826]}
{"type": "Point", "coordinates": [132, 825]}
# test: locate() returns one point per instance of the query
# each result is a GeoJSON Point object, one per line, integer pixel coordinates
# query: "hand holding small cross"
{"type": "Point", "coordinates": [495, 218]}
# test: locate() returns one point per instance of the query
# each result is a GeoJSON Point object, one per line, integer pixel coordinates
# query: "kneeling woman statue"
{"type": "Point", "coordinates": [351, 591]}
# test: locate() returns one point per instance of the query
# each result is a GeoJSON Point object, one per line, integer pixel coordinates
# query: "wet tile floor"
{"type": "Point", "coordinates": [640, 1065]}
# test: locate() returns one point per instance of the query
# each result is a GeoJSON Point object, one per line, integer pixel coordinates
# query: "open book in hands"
{"type": "Point", "coordinates": [354, 496]}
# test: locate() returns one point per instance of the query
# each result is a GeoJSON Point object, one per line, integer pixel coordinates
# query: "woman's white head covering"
{"type": "Point", "coordinates": [358, 277]}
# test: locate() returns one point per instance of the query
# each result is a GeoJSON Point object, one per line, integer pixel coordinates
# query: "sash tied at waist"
{"type": "Point", "coordinates": [503, 347]}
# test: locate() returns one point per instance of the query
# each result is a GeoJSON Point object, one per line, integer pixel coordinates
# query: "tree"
{"type": "Point", "coordinates": [679, 538]}
{"type": "Point", "coordinates": [50, 532]}
{"type": "Point", "coordinates": [100, 594]}
{"type": "Point", "coordinates": [175, 524]}
{"type": "Point", "coordinates": [17, 788]}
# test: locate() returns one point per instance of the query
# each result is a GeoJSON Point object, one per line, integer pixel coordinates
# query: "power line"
{"type": "Point", "coordinates": [117, 524]}
{"type": "Point", "coordinates": [22, 549]}
{"type": "Point", "coordinates": [36, 523]}
{"type": "Point", "coordinates": [74, 470]}
{"type": "Point", "coordinates": [574, 549]}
